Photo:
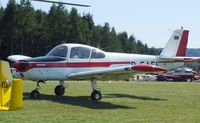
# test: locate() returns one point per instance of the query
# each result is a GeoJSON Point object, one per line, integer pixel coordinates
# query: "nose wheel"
{"type": "Point", "coordinates": [35, 93]}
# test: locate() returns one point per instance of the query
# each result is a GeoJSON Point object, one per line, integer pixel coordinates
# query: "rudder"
{"type": "Point", "coordinates": [177, 44]}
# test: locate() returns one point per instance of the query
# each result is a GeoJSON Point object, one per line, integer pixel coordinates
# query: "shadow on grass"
{"type": "Point", "coordinates": [82, 101]}
{"type": "Point", "coordinates": [133, 97]}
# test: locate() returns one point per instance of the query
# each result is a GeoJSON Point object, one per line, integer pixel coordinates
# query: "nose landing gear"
{"type": "Point", "coordinates": [59, 89]}
{"type": "Point", "coordinates": [35, 93]}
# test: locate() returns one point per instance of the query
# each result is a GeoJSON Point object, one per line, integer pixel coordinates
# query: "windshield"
{"type": "Point", "coordinates": [60, 51]}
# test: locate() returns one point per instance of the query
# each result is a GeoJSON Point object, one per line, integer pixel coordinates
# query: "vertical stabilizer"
{"type": "Point", "coordinates": [177, 44]}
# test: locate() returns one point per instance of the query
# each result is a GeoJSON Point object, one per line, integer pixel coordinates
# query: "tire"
{"type": "Point", "coordinates": [96, 95]}
{"type": "Point", "coordinates": [35, 94]}
{"type": "Point", "coordinates": [59, 90]}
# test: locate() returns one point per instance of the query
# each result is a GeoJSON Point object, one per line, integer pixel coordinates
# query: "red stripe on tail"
{"type": "Point", "coordinates": [183, 44]}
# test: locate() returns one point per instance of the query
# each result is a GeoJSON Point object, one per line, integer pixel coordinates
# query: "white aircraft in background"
{"type": "Point", "coordinates": [82, 62]}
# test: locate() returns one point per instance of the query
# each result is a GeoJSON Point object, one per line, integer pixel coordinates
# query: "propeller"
{"type": "Point", "coordinates": [59, 2]}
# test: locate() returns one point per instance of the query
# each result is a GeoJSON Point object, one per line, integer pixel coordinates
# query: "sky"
{"type": "Point", "coordinates": [151, 21]}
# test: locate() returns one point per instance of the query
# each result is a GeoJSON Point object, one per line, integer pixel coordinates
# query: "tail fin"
{"type": "Point", "coordinates": [177, 44]}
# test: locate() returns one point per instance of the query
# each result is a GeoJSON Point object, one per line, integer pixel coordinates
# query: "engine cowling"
{"type": "Point", "coordinates": [21, 66]}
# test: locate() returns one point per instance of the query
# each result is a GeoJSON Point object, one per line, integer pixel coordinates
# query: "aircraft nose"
{"type": "Point", "coordinates": [21, 67]}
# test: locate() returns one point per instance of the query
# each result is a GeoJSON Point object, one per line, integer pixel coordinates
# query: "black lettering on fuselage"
{"type": "Point", "coordinates": [133, 63]}
{"type": "Point", "coordinates": [141, 62]}
{"type": "Point", "coordinates": [148, 62]}
{"type": "Point", "coordinates": [152, 63]}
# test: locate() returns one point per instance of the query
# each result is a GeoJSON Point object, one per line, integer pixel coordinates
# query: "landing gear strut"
{"type": "Point", "coordinates": [95, 95]}
{"type": "Point", "coordinates": [60, 89]}
{"type": "Point", "coordinates": [35, 93]}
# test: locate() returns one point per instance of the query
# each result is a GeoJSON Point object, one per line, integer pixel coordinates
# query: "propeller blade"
{"type": "Point", "coordinates": [73, 4]}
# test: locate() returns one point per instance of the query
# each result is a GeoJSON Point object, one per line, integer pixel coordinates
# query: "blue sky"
{"type": "Point", "coordinates": [151, 21]}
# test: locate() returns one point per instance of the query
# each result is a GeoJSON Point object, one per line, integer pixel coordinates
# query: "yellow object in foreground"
{"type": "Point", "coordinates": [11, 95]}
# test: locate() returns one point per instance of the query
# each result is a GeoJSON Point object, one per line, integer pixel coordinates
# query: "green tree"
{"type": "Point", "coordinates": [97, 38]}
{"type": "Point", "coordinates": [154, 51]}
{"type": "Point", "coordinates": [1, 16]}
{"type": "Point", "coordinates": [9, 29]}
{"type": "Point", "coordinates": [113, 41]}
{"type": "Point", "coordinates": [146, 49]}
{"type": "Point", "coordinates": [132, 44]}
{"type": "Point", "coordinates": [58, 25]}
{"type": "Point", "coordinates": [1, 13]}
{"type": "Point", "coordinates": [41, 37]}
{"type": "Point", "coordinates": [27, 31]}
{"type": "Point", "coordinates": [123, 37]}
{"type": "Point", "coordinates": [88, 18]}
{"type": "Point", "coordinates": [26, 25]}
{"type": "Point", "coordinates": [75, 24]}
{"type": "Point", "coordinates": [85, 30]}
{"type": "Point", "coordinates": [140, 47]}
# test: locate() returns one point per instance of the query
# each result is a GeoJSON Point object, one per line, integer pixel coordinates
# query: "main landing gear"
{"type": "Point", "coordinates": [59, 90]}
{"type": "Point", "coordinates": [95, 95]}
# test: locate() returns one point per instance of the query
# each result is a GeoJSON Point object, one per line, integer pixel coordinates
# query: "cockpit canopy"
{"type": "Point", "coordinates": [59, 51]}
{"type": "Point", "coordinates": [77, 52]}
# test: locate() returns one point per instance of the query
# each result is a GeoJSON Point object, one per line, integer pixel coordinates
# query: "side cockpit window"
{"type": "Point", "coordinates": [60, 51]}
{"type": "Point", "coordinates": [80, 53]}
{"type": "Point", "coordinates": [97, 55]}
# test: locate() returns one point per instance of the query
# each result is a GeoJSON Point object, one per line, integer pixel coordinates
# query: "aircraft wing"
{"type": "Point", "coordinates": [179, 59]}
{"type": "Point", "coordinates": [17, 57]}
{"type": "Point", "coordinates": [124, 70]}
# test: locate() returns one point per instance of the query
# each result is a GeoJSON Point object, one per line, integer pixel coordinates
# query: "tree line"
{"type": "Point", "coordinates": [24, 30]}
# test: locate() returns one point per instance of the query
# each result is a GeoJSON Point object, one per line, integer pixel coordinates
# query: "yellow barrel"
{"type": "Point", "coordinates": [11, 91]}
{"type": "Point", "coordinates": [16, 100]}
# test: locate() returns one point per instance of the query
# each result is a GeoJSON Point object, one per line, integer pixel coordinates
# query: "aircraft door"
{"type": "Point", "coordinates": [79, 57]}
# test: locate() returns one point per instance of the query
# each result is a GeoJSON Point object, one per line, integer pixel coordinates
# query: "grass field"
{"type": "Point", "coordinates": [122, 102]}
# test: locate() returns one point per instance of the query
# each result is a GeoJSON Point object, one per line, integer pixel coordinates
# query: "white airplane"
{"type": "Point", "coordinates": [82, 62]}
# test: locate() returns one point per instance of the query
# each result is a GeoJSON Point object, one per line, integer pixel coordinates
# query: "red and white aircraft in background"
{"type": "Point", "coordinates": [78, 62]}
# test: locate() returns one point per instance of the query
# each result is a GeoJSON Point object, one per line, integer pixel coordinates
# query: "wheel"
{"type": "Point", "coordinates": [59, 90]}
{"type": "Point", "coordinates": [96, 95]}
{"type": "Point", "coordinates": [35, 94]}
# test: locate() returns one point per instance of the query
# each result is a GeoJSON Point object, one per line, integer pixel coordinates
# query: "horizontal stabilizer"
{"type": "Point", "coordinates": [179, 59]}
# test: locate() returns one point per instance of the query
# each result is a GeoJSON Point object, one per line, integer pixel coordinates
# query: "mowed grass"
{"type": "Point", "coordinates": [122, 102]}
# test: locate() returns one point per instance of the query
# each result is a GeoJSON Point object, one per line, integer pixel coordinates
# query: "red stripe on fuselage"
{"type": "Point", "coordinates": [74, 64]}
{"type": "Point", "coordinates": [183, 44]}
